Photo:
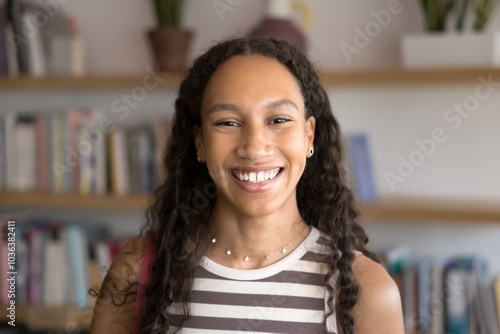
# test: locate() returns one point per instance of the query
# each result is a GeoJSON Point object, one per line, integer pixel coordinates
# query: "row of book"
{"type": "Point", "coordinates": [38, 39]}
{"type": "Point", "coordinates": [452, 295]}
{"type": "Point", "coordinates": [56, 262]}
{"type": "Point", "coordinates": [77, 152]}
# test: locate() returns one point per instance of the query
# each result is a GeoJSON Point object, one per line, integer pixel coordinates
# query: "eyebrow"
{"type": "Point", "coordinates": [270, 105]}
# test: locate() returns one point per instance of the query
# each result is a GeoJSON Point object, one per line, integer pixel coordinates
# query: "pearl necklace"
{"type": "Point", "coordinates": [246, 258]}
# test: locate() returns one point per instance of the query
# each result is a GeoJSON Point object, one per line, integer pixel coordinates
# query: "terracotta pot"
{"type": "Point", "coordinates": [278, 24]}
{"type": "Point", "coordinates": [170, 47]}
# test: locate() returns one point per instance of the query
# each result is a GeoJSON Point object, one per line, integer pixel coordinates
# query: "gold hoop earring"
{"type": "Point", "coordinates": [311, 151]}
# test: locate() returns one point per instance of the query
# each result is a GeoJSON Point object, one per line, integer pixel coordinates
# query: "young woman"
{"type": "Point", "coordinates": [254, 228]}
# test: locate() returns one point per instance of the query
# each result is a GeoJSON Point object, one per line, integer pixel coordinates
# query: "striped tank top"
{"type": "Point", "coordinates": [288, 296]}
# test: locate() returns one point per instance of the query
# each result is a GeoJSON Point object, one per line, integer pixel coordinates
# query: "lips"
{"type": "Point", "coordinates": [256, 176]}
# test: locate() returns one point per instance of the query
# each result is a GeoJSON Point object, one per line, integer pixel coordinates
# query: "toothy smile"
{"type": "Point", "coordinates": [256, 177]}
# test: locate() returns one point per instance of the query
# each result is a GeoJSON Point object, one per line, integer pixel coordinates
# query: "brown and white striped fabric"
{"type": "Point", "coordinates": [285, 297]}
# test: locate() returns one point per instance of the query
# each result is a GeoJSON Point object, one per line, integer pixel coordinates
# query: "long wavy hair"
{"type": "Point", "coordinates": [184, 201]}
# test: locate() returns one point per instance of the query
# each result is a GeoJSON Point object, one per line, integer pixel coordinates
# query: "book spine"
{"type": "Point", "coordinates": [100, 165]}
{"type": "Point", "coordinates": [361, 167]}
{"type": "Point", "coordinates": [42, 153]}
{"type": "Point", "coordinates": [3, 158]}
{"type": "Point", "coordinates": [77, 265]}
{"type": "Point", "coordinates": [457, 303]}
{"type": "Point", "coordinates": [437, 298]}
{"type": "Point", "coordinates": [17, 37]}
{"type": "Point", "coordinates": [10, 151]}
{"type": "Point", "coordinates": [72, 152]}
{"type": "Point", "coordinates": [36, 55]}
{"type": "Point", "coordinates": [58, 171]}
{"type": "Point", "coordinates": [35, 266]}
{"type": "Point", "coordinates": [496, 289]}
{"type": "Point", "coordinates": [424, 274]}
{"type": "Point", "coordinates": [4, 66]}
{"type": "Point", "coordinates": [26, 149]}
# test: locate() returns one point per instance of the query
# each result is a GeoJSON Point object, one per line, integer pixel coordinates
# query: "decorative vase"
{"type": "Point", "coordinates": [170, 47]}
{"type": "Point", "coordinates": [449, 50]}
{"type": "Point", "coordinates": [278, 24]}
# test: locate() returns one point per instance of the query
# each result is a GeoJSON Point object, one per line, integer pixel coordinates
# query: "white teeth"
{"type": "Point", "coordinates": [256, 177]}
{"type": "Point", "coordinates": [260, 176]}
{"type": "Point", "coordinates": [252, 177]}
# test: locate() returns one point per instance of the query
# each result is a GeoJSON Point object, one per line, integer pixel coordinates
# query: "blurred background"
{"type": "Point", "coordinates": [86, 97]}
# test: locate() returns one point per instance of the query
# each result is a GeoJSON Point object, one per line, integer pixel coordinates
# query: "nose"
{"type": "Point", "coordinates": [254, 143]}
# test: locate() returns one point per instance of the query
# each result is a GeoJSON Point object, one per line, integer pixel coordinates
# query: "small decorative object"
{"type": "Point", "coordinates": [278, 23]}
{"type": "Point", "coordinates": [170, 42]}
{"type": "Point", "coordinates": [455, 36]}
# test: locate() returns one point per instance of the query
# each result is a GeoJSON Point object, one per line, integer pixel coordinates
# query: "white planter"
{"type": "Point", "coordinates": [450, 50]}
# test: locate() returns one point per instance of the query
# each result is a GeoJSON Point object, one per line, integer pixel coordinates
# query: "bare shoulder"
{"type": "Point", "coordinates": [127, 262]}
{"type": "Point", "coordinates": [378, 309]}
{"type": "Point", "coordinates": [113, 311]}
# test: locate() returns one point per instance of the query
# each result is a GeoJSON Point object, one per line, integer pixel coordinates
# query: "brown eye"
{"type": "Point", "coordinates": [229, 123]}
{"type": "Point", "coordinates": [280, 120]}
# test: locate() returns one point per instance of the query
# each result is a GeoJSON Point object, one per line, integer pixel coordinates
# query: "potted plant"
{"type": "Point", "coordinates": [170, 43]}
{"type": "Point", "coordinates": [455, 36]}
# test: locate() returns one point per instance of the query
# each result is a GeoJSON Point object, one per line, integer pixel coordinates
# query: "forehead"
{"type": "Point", "coordinates": [250, 80]}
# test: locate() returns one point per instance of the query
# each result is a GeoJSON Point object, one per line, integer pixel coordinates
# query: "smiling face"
{"type": "Point", "coordinates": [254, 136]}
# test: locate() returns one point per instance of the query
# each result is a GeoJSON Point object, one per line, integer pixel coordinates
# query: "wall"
{"type": "Point", "coordinates": [465, 165]}
{"type": "Point", "coordinates": [115, 30]}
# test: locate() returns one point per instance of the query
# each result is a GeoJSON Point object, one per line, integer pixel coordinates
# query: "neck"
{"type": "Point", "coordinates": [254, 237]}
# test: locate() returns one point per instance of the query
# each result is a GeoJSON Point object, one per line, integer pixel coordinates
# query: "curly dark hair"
{"type": "Point", "coordinates": [181, 220]}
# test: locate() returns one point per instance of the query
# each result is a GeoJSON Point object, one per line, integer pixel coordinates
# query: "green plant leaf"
{"type": "Point", "coordinates": [168, 12]}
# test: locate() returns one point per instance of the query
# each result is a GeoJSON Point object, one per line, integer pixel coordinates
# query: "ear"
{"type": "Point", "coordinates": [310, 126]}
{"type": "Point", "coordinates": [198, 142]}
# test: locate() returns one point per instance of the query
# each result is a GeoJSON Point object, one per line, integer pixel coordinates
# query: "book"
{"type": "Point", "coordinates": [34, 40]}
{"type": "Point", "coordinates": [26, 153]}
{"type": "Point", "coordinates": [55, 270]}
{"type": "Point", "coordinates": [496, 292]}
{"type": "Point", "coordinates": [10, 151]}
{"type": "Point", "coordinates": [3, 156]}
{"type": "Point", "coordinates": [17, 37]}
{"type": "Point", "coordinates": [140, 142]}
{"type": "Point", "coordinates": [42, 153]}
{"type": "Point", "coordinates": [410, 298]}
{"type": "Point", "coordinates": [81, 238]}
{"type": "Point", "coordinates": [424, 294]}
{"type": "Point", "coordinates": [361, 167]}
{"type": "Point", "coordinates": [461, 275]}
{"type": "Point", "coordinates": [4, 66]}
{"type": "Point", "coordinates": [486, 308]}
{"type": "Point", "coordinates": [118, 163]}
{"type": "Point", "coordinates": [437, 297]}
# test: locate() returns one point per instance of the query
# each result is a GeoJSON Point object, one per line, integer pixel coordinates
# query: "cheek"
{"type": "Point", "coordinates": [216, 152]}
{"type": "Point", "coordinates": [294, 141]}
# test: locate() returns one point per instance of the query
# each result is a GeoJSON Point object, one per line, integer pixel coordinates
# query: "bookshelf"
{"type": "Point", "coordinates": [395, 209]}
{"type": "Point", "coordinates": [74, 201]}
{"type": "Point", "coordinates": [403, 210]}
{"type": "Point", "coordinates": [168, 80]}
{"type": "Point", "coordinates": [328, 78]}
